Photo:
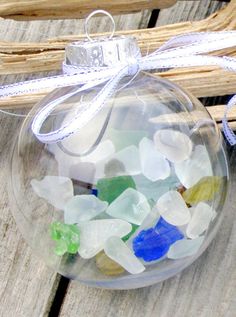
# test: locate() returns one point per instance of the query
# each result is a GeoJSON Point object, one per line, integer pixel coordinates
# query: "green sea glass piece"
{"type": "Point", "coordinates": [67, 238]}
{"type": "Point", "coordinates": [204, 190]}
{"type": "Point", "coordinates": [134, 228]}
{"type": "Point", "coordinates": [55, 231]}
{"type": "Point", "coordinates": [123, 138]}
{"type": "Point", "coordinates": [130, 206]}
{"type": "Point", "coordinates": [60, 248]}
{"type": "Point", "coordinates": [110, 188]}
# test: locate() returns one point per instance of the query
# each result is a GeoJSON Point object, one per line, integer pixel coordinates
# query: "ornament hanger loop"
{"type": "Point", "coordinates": [95, 13]}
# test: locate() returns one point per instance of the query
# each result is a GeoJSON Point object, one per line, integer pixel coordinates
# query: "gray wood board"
{"type": "Point", "coordinates": [27, 286]}
{"type": "Point", "coordinates": [188, 11]}
{"type": "Point", "coordinates": [207, 287]}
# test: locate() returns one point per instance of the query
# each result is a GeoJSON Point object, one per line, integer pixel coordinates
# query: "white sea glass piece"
{"type": "Point", "coordinates": [74, 166]}
{"type": "Point", "coordinates": [128, 158]}
{"type": "Point", "coordinates": [182, 248]}
{"type": "Point", "coordinates": [201, 218]}
{"type": "Point", "coordinates": [56, 190]}
{"type": "Point", "coordinates": [102, 151]}
{"type": "Point", "coordinates": [150, 221]}
{"type": "Point", "coordinates": [94, 233]}
{"type": "Point", "coordinates": [118, 251]}
{"type": "Point", "coordinates": [154, 165]}
{"type": "Point", "coordinates": [131, 206]}
{"type": "Point", "coordinates": [173, 208]}
{"type": "Point", "coordinates": [83, 208]}
{"type": "Point", "coordinates": [174, 145]}
{"type": "Point", "coordinates": [196, 167]}
{"type": "Point", "coordinates": [82, 172]}
{"type": "Point", "coordinates": [64, 161]}
{"type": "Point", "coordinates": [82, 141]}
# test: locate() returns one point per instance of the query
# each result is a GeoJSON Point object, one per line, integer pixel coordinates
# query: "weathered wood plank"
{"type": "Point", "coordinates": [33, 33]}
{"type": "Point", "coordinates": [27, 287]}
{"type": "Point", "coordinates": [54, 9]}
{"type": "Point", "coordinates": [205, 289]}
{"type": "Point", "coordinates": [188, 11]}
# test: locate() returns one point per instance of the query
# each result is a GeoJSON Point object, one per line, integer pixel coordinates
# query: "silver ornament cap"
{"type": "Point", "coordinates": [102, 52]}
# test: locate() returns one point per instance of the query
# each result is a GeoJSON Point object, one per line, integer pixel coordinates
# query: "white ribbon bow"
{"type": "Point", "coordinates": [181, 51]}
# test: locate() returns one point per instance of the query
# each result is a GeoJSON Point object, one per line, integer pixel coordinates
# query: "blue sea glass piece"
{"type": "Point", "coordinates": [94, 192]}
{"type": "Point", "coordinates": [172, 232]}
{"type": "Point", "coordinates": [154, 243]}
{"type": "Point", "coordinates": [149, 245]}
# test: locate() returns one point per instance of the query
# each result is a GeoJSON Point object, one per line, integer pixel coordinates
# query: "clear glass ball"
{"type": "Point", "coordinates": [132, 198]}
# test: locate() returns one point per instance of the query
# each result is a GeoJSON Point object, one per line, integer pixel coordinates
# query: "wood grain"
{"type": "Point", "coordinates": [54, 9]}
{"type": "Point", "coordinates": [188, 11]}
{"type": "Point", "coordinates": [205, 289]}
{"type": "Point", "coordinates": [27, 286]}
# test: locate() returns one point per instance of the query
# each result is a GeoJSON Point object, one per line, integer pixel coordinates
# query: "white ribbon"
{"type": "Point", "coordinates": [181, 51]}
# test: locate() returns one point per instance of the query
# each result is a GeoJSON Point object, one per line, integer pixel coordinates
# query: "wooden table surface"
{"type": "Point", "coordinates": [29, 289]}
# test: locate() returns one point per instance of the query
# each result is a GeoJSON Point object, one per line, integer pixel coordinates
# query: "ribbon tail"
{"type": "Point", "coordinates": [194, 39]}
{"type": "Point", "coordinates": [59, 81]}
{"type": "Point", "coordinates": [228, 63]}
{"type": "Point", "coordinates": [205, 44]}
{"type": "Point", "coordinates": [32, 86]}
{"type": "Point", "coordinates": [228, 132]}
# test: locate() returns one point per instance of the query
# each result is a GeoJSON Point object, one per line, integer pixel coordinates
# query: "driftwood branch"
{"type": "Point", "coordinates": [64, 9]}
{"type": "Point", "coordinates": [216, 112]}
{"type": "Point", "coordinates": [46, 56]}
{"type": "Point", "coordinates": [201, 81]}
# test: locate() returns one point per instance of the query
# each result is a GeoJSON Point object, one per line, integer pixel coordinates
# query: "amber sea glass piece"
{"type": "Point", "coordinates": [107, 266]}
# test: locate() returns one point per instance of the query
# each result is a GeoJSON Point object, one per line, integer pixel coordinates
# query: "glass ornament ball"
{"type": "Point", "coordinates": [133, 197]}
